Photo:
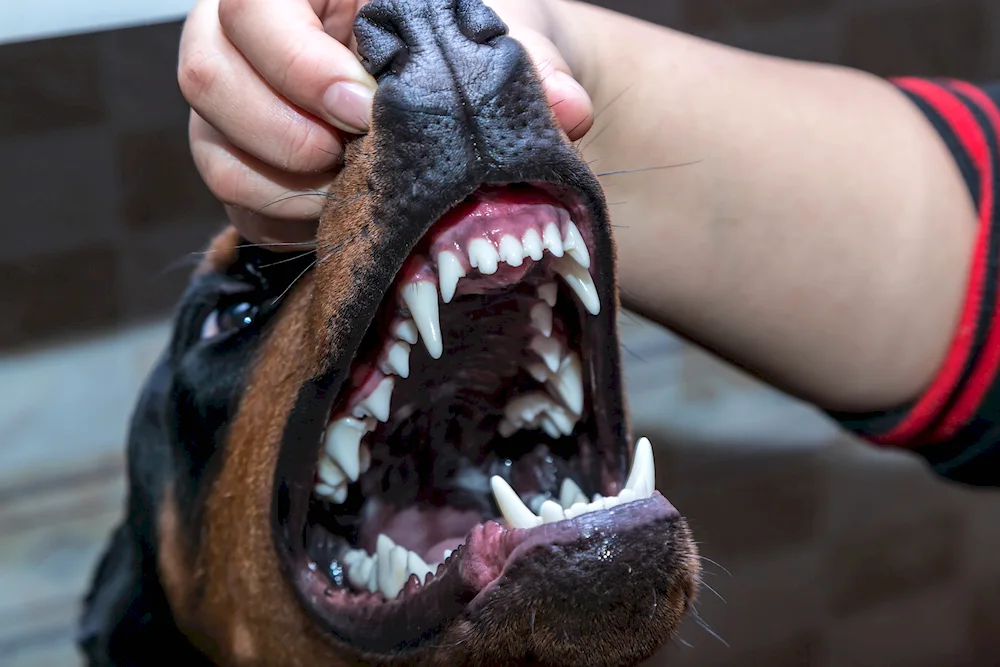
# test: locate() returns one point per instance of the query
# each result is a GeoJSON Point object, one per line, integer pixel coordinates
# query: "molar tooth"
{"type": "Point", "coordinates": [541, 317]}
{"type": "Point", "coordinates": [358, 566]}
{"type": "Point", "coordinates": [550, 428]}
{"type": "Point", "coordinates": [373, 575]}
{"type": "Point", "coordinates": [642, 477]}
{"type": "Point", "coordinates": [532, 244]}
{"type": "Point", "coordinates": [552, 239]}
{"type": "Point", "coordinates": [337, 494]}
{"type": "Point", "coordinates": [580, 281]}
{"type": "Point", "coordinates": [573, 244]}
{"type": "Point", "coordinates": [511, 506]}
{"type": "Point", "coordinates": [483, 256]}
{"type": "Point", "coordinates": [395, 359]}
{"type": "Point", "coordinates": [538, 370]}
{"type": "Point", "coordinates": [511, 250]}
{"type": "Point", "coordinates": [567, 383]}
{"type": "Point", "coordinates": [421, 298]}
{"type": "Point", "coordinates": [405, 330]}
{"type": "Point", "coordinates": [506, 428]}
{"type": "Point", "coordinates": [551, 512]}
{"type": "Point", "coordinates": [450, 270]}
{"type": "Point", "coordinates": [524, 408]}
{"type": "Point", "coordinates": [570, 493]}
{"type": "Point", "coordinates": [549, 349]}
{"type": "Point", "coordinates": [564, 421]}
{"type": "Point", "coordinates": [548, 292]}
{"type": "Point", "coordinates": [343, 442]}
{"type": "Point", "coordinates": [377, 403]}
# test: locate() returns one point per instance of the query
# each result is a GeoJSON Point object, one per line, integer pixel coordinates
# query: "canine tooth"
{"type": "Point", "coordinates": [421, 298]}
{"type": "Point", "coordinates": [395, 359]}
{"type": "Point", "coordinates": [549, 349]}
{"type": "Point", "coordinates": [642, 477]}
{"type": "Point", "coordinates": [552, 239]}
{"type": "Point", "coordinates": [391, 566]}
{"type": "Point", "coordinates": [626, 496]}
{"type": "Point", "coordinates": [511, 506]}
{"type": "Point", "coordinates": [567, 383]}
{"type": "Point", "coordinates": [570, 493]}
{"type": "Point", "coordinates": [343, 442]}
{"type": "Point", "coordinates": [406, 330]}
{"type": "Point", "coordinates": [524, 408]}
{"type": "Point", "coordinates": [511, 250]}
{"type": "Point", "coordinates": [416, 565]}
{"type": "Point", "coordinates": [450, 270]}
{"type": "Point", "coordinates": [574, 246]}
{"type": "Point", "coordinates": [541, 317]}
{"type": "Point", "coordinates": [548, 293]}
{"type": "Point", "coordinates": [532, 244]}
{"type": "Point", "coordinates": [377, 403]}
{"type": "Point", "coordinates": [579, 280]}
{"type": "Point", "coordinates": [483, 256]}
{"type": "Point", "coordinates": [551, 512]}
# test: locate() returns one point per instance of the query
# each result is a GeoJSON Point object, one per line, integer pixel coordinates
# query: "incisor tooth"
{"type": "Point", "coordinates": [511, 250]}
{"type": "Point", "coordinates": [378, 402]}
{"type": "Point", "coordinates": [552, 239]}
{"type": "Point", "coordinates": [416, 565]}
{"type": "Point", "coordinates": [570, 493]}
{"type": "Point", "coordinates": [541, 317]}
{"type": "Point", "coordinates": [551, 512]}
{"type": "Point", "coordinates": [532, 244]}
{"type": "Point", "coordinates": [548, 292]}
{"type": "Point", "coordinates": [574, 246]}
{"type": "Point", "coordinates": [483, 256]}
{"type": "Point", "coordinates": [549, 349]}
{"type": "Point", "coordinates": [421, 297]}
{"type": "Point", "coordinates": [405, 330]}
{"type": "Point", "coordinates": [642, 477]}
{"type": "Point", "coordinates": [579, 280]}
{"type": "Point", "coordinates": [343, 441]}
{"type": "Point", "coordinates": [450, 270]}
{"type": "Point", "coordinates": [395, 359]}
{"type": "Point", "coordinates": [567, 383]}
{"type": "Point", "coordinates": [511, 506]}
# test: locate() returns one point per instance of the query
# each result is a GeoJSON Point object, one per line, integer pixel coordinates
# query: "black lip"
{"type": "Point", "coordinates": [308, 417]}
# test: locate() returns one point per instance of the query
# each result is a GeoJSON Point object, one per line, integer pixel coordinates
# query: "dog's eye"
{"type": "Point", "coordinates": [224, 320]}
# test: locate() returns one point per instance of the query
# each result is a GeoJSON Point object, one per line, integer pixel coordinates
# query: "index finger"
{"type": "Point", "coordinates": [285, 42]}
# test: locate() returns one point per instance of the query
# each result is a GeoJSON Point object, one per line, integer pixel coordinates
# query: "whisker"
{"type": "Point", "coordinates": [258, 245]}
{"type": "Point", "coordinates": [715, 592]}
{"type": "Point", "coordinates": [280, 199]}
{"type": "Point", "coordinates": [283, 261]}
{"type": "Point", "coordinates": [641, 169]}
{"type": "Point", "coordinates": [704, 626]}
{"type": "Point", "coordinates": [709, 560]}
{"type": "Point", "coordinates": [297, 279]}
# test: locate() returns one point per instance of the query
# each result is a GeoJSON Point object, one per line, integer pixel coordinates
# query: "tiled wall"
{"type": "Point", "coordinates": [102, 205]}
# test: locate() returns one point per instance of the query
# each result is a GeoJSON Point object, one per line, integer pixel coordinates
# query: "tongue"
{"type": "Point", "coordinates": [429, 531]}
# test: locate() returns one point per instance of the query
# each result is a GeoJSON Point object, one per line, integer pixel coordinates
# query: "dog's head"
{"type": "Point", "coordinates": [386, 450]}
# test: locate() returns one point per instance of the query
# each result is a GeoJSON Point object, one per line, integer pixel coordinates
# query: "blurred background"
{"type": "Point", "coordinates": [823, 552]}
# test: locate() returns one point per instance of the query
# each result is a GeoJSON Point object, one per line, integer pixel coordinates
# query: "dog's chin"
{"type": "Point", "coordinates": [471, 475]}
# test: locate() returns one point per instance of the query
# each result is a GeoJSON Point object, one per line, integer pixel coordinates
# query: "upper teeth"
{"type": "Point", "coordinates": [640, 485]}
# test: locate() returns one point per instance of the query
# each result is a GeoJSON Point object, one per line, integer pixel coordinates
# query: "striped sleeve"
{"type": "Point", "coordinates": [955, 424]}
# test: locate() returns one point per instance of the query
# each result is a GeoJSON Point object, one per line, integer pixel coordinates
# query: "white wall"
{"type": "Point", "coordinates": [22, 20]}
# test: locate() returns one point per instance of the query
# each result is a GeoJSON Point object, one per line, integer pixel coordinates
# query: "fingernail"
{"type": "Point", "coordinates": [349, 106]}
{"type": "Point", "coordinates": [567, 84]}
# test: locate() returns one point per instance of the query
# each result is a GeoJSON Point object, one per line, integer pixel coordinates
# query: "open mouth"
{"type": "Point", "coordinates": [478, 421]}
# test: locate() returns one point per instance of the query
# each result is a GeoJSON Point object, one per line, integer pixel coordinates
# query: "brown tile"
{"type": "Point", "coordinates": [876, 563]}
{"type": "Point", "coordinates": [57, 294]}
{"type": "Point", "coordinates": [942, 39]}
{"type": "Point", "coordinates": [157, 265]}
{"type": "Point", "coordinates": [59, 191]}
{"type": "Point", "coordinates": [142, 90]}
{"type": "Point", "coordinates": [159, 180]}
{"type": "Point", "coordinates": [50, 84]}
{"type": "Point", "coordinates": [703, 15]}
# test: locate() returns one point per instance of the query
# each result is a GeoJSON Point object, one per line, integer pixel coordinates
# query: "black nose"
{"type": "Point", "coordinates": [458, 100]}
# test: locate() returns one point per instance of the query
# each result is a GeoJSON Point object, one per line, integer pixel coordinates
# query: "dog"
{"type": "Point", "coordinates": [406, 444]}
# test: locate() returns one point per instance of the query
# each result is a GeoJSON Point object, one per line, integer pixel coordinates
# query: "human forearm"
{"type": "Point", "coordinates": [814, 230]}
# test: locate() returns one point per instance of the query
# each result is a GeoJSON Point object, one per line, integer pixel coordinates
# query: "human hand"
{"type": "Point", "coordinates": [276, 88]}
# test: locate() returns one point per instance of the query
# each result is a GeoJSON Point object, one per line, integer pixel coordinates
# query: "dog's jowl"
{"type": "Point", "coordinates": [407, 445]}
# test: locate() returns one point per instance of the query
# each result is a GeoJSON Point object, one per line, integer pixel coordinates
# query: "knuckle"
{"type": "Point", "coordinates": [197, 72]}
{"type": "Point", "coordinates": [230, 11]}
{"type": "Point", "coordinates": [308, 147]}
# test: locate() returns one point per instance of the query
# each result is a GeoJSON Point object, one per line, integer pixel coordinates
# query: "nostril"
{"type": "Point", "coordinates": [379, 43]}
{"type": "Point", "coordinates": [478, 22]}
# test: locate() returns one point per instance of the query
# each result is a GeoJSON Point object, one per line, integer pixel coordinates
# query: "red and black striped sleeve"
{"type": "Point", "coordinates": [955, 424]}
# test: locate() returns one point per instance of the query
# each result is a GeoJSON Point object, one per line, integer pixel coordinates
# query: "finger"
{"type": "Point", "coordinates": [237, 178]}
{"type": "Point", "coordinates": [285, 42]}
{"type": "Point", "coordinates": [570, 103]}
{"type": "Point", "coordinates": [222, 87]}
